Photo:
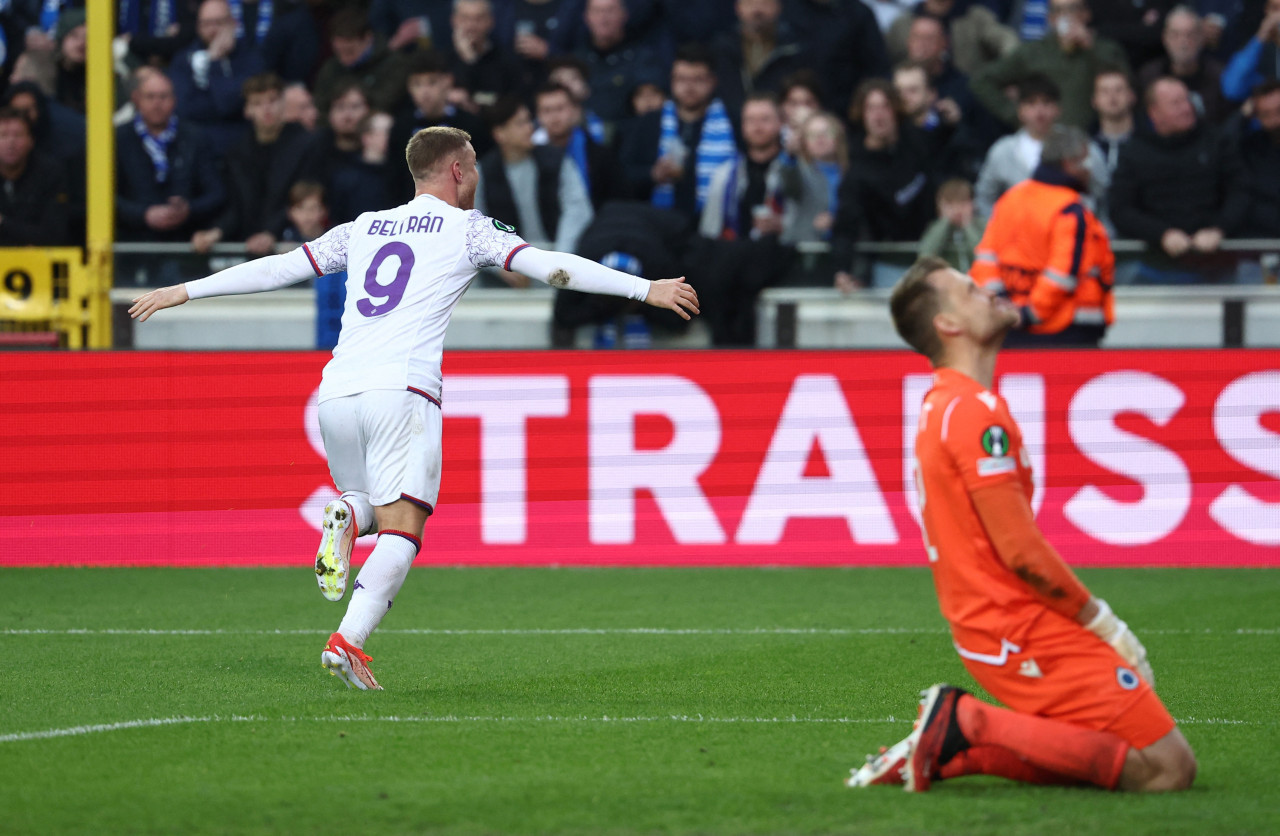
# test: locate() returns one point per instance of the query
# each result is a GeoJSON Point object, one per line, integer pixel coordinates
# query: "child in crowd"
{"type": "Point", "coordinates": [308, 220]}
{"type": "Point", "coordinates": [958, 229]}
{"type": "Point", "coordinates": [308, 215]}
{"type": "Point", "coordinates": [812, 182]}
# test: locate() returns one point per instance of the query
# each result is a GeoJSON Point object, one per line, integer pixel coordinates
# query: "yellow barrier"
{"type": "Point", "coordinates": [48, 297]}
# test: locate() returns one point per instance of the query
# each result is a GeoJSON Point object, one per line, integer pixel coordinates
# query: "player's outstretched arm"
{"type": "Point", "coordinates": [565, 270]}
{"type": "Point", "coordinates": [157, 300]}
{"type": "Point", "coordinates": [257, 276]}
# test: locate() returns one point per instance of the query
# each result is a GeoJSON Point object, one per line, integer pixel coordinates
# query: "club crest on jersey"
{"type": "Point", "coordinates": [1128, 679]}
{"type": "Point", "coordinates": [501, 227]}
{"type": "Point", "coordinates": [995, 441]}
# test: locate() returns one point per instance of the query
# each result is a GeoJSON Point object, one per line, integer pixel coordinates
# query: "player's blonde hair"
{"type": "Point", "coordinates": [431, 146]}
{"type": "Point", "coordinates": [914, 303]}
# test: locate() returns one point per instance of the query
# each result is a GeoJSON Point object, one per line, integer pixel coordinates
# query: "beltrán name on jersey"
{"type": "Point", "coordinates": [413, 223]}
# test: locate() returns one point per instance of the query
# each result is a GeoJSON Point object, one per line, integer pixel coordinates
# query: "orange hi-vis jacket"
{"type": "Point", "coordinates": [1050, 254]}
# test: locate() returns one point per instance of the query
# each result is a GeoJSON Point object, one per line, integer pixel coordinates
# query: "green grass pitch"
{"type": "Point", "coordinates": [607, 701]}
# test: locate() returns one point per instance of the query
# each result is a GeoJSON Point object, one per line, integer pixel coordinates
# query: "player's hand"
{"type": "Point", "coordinates": [157, 300]}
{"type": "Point", "coordinates": [673, 294]}
{"type": "Point", "coordinates": [1116, 633]}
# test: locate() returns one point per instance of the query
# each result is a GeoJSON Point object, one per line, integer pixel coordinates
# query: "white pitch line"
{"type": "Point", "coordinates": [534, 631]}
{"type": "Point", "coordinates": [77, 731]}
{"type": "Point", "coordinates": [595, 631]}
{"type": "Point", "coordinates": [74, 731]}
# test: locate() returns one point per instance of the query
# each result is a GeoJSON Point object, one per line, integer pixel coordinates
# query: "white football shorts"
{"type": "Point", "coordinates": [385, 443]}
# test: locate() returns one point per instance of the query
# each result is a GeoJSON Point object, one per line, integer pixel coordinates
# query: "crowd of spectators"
{"type": "Point", "coordinates": [727, 133]}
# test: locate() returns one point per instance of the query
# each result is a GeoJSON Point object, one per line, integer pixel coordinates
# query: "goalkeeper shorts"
{"type": "Point", "coordinates": [1073, 676]}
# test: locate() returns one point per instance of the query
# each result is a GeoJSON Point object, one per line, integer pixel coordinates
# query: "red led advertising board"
{"type": "Point", "coordinates": [1152, 458]}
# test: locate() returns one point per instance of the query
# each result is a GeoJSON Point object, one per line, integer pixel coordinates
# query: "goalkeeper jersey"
{"type": "Point", "coordinates": [967, 439]}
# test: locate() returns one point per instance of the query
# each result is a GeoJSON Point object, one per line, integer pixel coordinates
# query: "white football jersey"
{"type": "Point", "coordinates": [406, 269]}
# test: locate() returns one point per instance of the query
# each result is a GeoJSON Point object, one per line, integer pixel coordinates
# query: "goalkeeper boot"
{"type": "Point", "coordinates": [349, 663]}
{"type": "Point", "coordinates": [937, 737]}
{"type": "Point", "coordinates": [882, 768]}
{"type": "Point", "coordinates": [333, 558]}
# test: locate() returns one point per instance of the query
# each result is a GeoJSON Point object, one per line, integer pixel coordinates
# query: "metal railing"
{"type": "Point", "coordinates": [140, 265]}
{"type": "Point", "coordinates": [1119, 246]}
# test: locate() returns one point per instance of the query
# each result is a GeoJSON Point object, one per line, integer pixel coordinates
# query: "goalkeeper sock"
{"type": "Point", "coordinates": [375, 588]}
{"type": "Point", "coordinates": [1002, 762]}
{"type": "Point", "coordinates": [1070, 751]}
{"type": "Point", "coordinates": [366, 523]}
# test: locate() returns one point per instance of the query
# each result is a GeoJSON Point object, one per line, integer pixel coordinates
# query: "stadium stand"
{"type": "Point", "coordinates": [663, 30]}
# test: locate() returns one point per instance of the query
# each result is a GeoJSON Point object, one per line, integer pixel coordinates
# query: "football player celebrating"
{"type": "Point", "coordinates": [1082, 708]}
{"type": "Point", "coordinates": [379, 397]}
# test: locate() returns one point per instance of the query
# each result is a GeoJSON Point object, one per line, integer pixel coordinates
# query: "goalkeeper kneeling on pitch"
{"type": "Point", "coordinates": [1080, 691]}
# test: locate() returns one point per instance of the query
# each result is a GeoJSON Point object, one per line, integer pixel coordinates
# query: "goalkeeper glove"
{"type": "Point", "coordinates": [1116, 633]}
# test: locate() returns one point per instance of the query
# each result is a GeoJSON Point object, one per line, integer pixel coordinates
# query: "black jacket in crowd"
{"type": "Point", "coordinates": [1189, 181]}
{"type": "Point", "coordinates": [843, 42]}
{"type": "Point", "coordinates": [493, 75]}
{"type": "Point", "coordinates": [1260, 154]}
{"type": "Point", "coordinates": [734, 84]}
{"type": "Point", "coordinates": [886, 195]}
{"type": "Point", "coordinates": [500, 203]}
{"type": "Point", "coordinates": [352, 186]}
{"type": "Point", "coordinates": [34, 209]}
{"type": "Point", "coordinates": [408, 121]}
{"type": "Point", "coordinates": [1136, 25]}
{"type": "Point", "coordinates": [192, 176]}
{"type": "Point", "coordinates": [638, 151]}
{"type": "Point", "coordinates": [605, 175]}
{"type": "Point", "coordinates": [259, 178]}
{"type": "Point", "coordinates": [656, 237]}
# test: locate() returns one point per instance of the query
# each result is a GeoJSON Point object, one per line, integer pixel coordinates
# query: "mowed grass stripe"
{"type": "Point", "coordinates": [493, 717]}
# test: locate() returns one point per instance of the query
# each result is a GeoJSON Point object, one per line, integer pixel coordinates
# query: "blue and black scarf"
{"type": "Point", "coordinates": [714, 149]}
{"type": "Point", "coordinates": [157, 147]}
{"type": "Point", "coordinates": [266, 10]}
{"type": "Point", "coordinates": [161, 16]}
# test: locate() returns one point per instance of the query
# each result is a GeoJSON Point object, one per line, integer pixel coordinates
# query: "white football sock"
{"type": "Point", "coordinates": [376, 586]}
{"type": "Point", "coordinates": [366, 523]}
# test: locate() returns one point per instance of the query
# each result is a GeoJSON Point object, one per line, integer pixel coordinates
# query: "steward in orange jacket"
{"type": "Point", "coordinates": [1053, 258]}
